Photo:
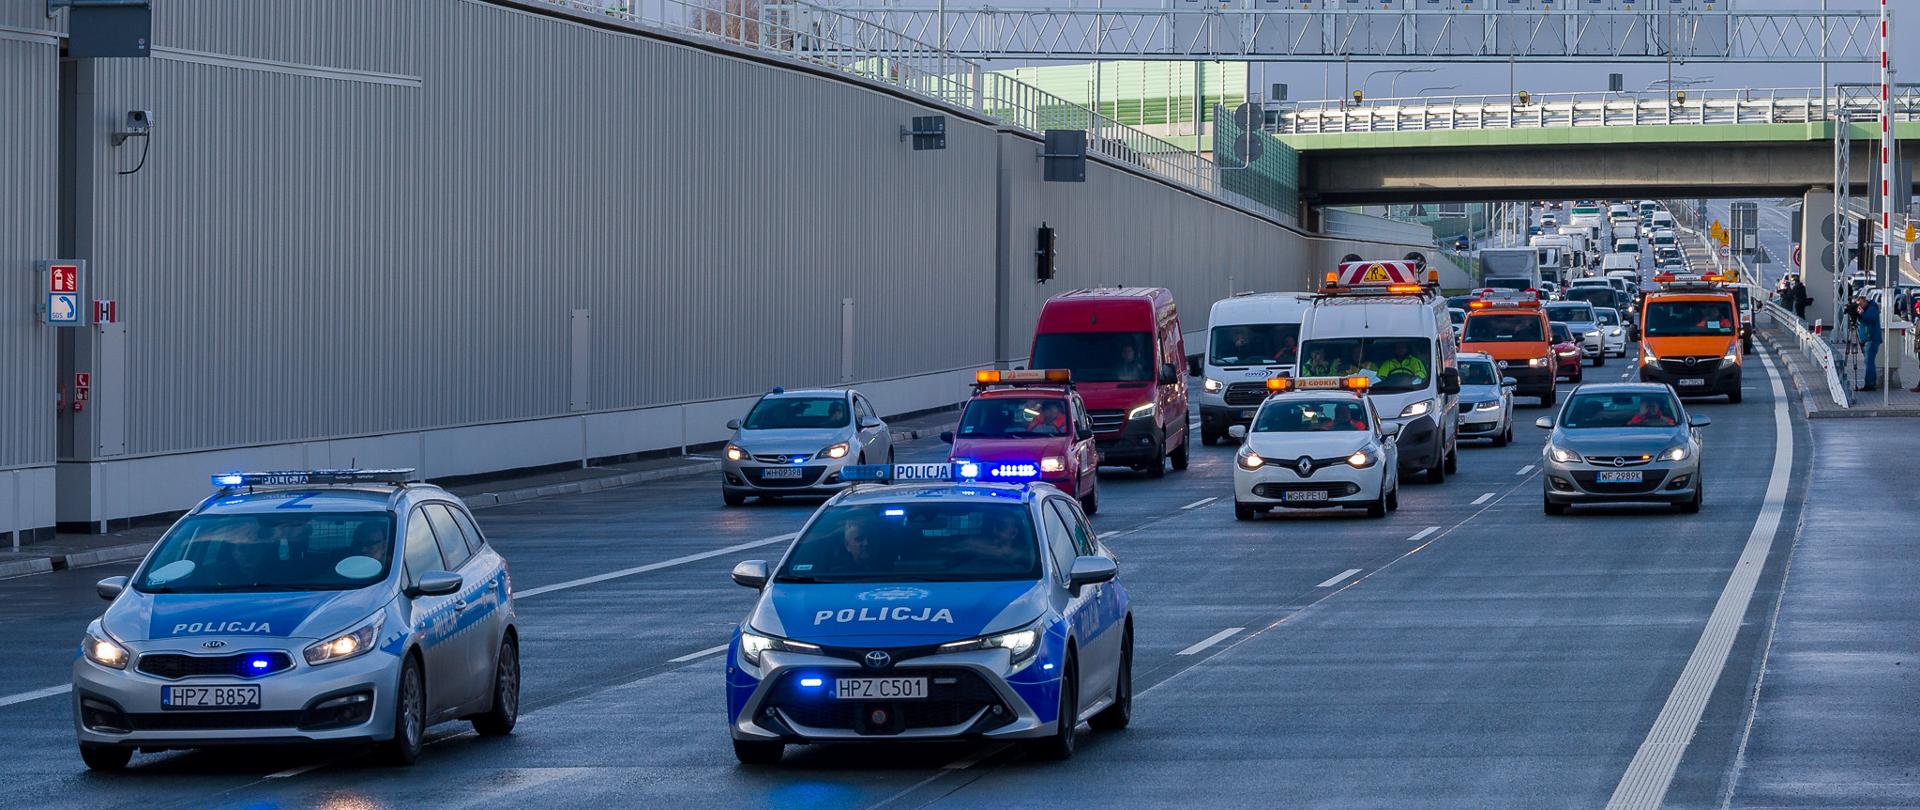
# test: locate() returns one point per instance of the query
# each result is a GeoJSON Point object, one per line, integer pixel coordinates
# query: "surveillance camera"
{"type": "Point", "coordinates": [139, 121]}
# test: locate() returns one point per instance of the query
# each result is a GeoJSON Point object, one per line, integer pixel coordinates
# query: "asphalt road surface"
{"type": "Point", "coordinates": [1467, 651]}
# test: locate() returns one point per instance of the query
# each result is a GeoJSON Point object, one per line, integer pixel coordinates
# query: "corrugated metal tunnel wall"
{"type": "Point", "coordinates": [461, 236]}
{"type": "Point", "coordinates": [29, 172]}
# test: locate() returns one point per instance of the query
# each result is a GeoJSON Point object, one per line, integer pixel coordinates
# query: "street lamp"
{"type": "Point", "coordinates": [1397, 73]}
{"type": "Point", "coordinates": [1425, 90]}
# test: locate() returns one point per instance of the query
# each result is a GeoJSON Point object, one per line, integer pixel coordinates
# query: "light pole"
{"type": "Point", "coordinates": [1424, 90]}
{"type": "Point", "coordinates": [1396, 72]}
{"type": "Point", "coordinates": [1394, 83]}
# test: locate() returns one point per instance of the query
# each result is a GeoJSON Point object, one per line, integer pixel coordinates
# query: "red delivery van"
{"type": "Point", "coordinates": [1124, 348]}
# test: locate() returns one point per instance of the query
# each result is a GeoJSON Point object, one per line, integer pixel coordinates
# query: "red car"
{"type": "Point", "coordinates": [1125, 350]}
{"type": "Point", "coordinates": [1567, 355]}
{"type": "Point", "coordinates": [1032, 417]}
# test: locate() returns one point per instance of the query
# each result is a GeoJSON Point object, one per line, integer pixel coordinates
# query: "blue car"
{"type": "Point", "coordinates": [978, 606]}
{"type": "Point", "coordinates": [332, 606]}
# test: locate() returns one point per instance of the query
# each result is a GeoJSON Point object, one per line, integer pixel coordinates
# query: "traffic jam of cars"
{"type": "Point", "coordinates": [964, 599]}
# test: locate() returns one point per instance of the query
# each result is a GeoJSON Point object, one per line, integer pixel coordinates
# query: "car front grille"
{"type": "Point", "coordinates": [1106, 421]}
{"type": "Point", "coordinates": [1589, 481]}
{"type": "Point", "coordinates": [1243, 394]}
{"type": "Point", "coordinates": [954, 696]}
{"type": "Point", "coordinates": [777, 458]}
{"type": "Point", "coordinates": [211, 721]}
{"type": "Point", "coordinates": [1278, 491]}
{"type": "Point", "coordinates": [1701, 365]}
{"type": "Point", "coordinates": [174, 666]}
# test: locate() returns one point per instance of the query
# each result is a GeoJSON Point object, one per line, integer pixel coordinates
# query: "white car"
{"type": "Point", "coordinates": [1486, 399]}
{"type": "Point", "coordinates": [1322, 446]}
{"type": "Point", "coordinates": [1613, 332]}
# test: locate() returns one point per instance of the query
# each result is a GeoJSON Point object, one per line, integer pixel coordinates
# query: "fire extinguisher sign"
{"type": "Point", "coordinates": [60, 281]}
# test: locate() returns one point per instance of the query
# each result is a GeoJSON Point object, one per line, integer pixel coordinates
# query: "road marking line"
{"type": "Point", "coordinates": [1645, 783]}
{"type": "Point", "coordinates": [1199, 503]}
{"type": "Point", "coordinates": [1209, 641]}
{"type": "Point", "coordinates": [1423, 533]}
{"type": "Point", "coordinates": [1105, 535]}
{"type": "Point", "coordinates": [701, 654]}
{"type": "Point", "coordinates": [36, 694]}
{"type": "Point", "coordinates": [1483, 499]}
{"type": "Point", "coordinates": [972, 759]}
{"type": "Point", "coordinates": [641, 569]}
{"type": "Point", "coordinates": [1525, 470]}
{"type": "Point", "coordinates": [1339, 578]}
{"type": "Point", "coordinates": [293, 772]}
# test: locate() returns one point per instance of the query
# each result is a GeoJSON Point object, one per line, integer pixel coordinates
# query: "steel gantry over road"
{"type": "Point", "coordinates": [1261, 30]}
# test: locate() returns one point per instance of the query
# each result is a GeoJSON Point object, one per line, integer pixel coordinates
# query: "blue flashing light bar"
{"type": "Point", "coordinates": [1006, 472]}
{"type": "Point", "coordinates": [283, 478]}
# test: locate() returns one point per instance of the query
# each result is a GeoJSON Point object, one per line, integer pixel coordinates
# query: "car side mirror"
{"type": "Point", "coordinates": [1083, 434]}
{"type": "Point", "coordinates": [1508, 382]}
{"type": "Point", "coordinates": [867, 424]}
{"type": "Point", "coordinates": [1091, 570]}
{"type": "Point", "coordinates": [1544, 423]}
{"type": "Point", "coordinates": [1168, 374]}
{"type": "Point", "coordinates": [1193, 367]}
{"type": "Point", "coordinates": [436, 583]}
{"type": "Point", "coordinates": [1237, 431]}
{"type": "Point", "coordinates": [1699, 420]}
{"type": "Point", "coordinates": [110, 588]}
{"type": "Point", "coordinates": [1449, 381]}
{"type": "Point", "coordinates": [946, 436]}
{"type": "Point", "coordinates": [750, 574]}
{"type": "Point", "coordinates": [733, 424]}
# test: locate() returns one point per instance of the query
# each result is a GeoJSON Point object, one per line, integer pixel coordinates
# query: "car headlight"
{"type": "Point", "coordinates": [1733, 352]}
{"type": "Point", "coordinates": [1417, 408]}
{"type": "Point", "coordinates": [1361, 458]}
{"type": "Point", "coordinates": [104, 651]}
{"type": "Point", "coordinates": [350, 644]}
{"type": "Point", "coordinates": [1563, 455]}
{"type": "Point", "coordinates": [1675, 453]}
{"type": "Point", "coordinates": [1647, 356]}
{"type": "Point", "coordinates": [753, 644]}
{"type": "Point", "coordinates": [1616, 331]}
{"type": "Point", "coordinates": [1141, 412]}
{"type": "Point", "coordinates": [1052, 464]}
{"type": "Point", "coordinates": [1213, 386]}
{"type": "Point", "coordinates": [1568, 352]}
{"type": "Point", "coordinates": [1536, 362]}
{"type": "Point", "coordinates": [1021, 644]}
{"type": "Point", "coordinates": [737, 453]}
{"type": "Point", "coordinates": [1490, 405]}
{"type": "Point", "coordinates": [835, 451]}
{"type": "Point", "coordinates": [1249, 460]}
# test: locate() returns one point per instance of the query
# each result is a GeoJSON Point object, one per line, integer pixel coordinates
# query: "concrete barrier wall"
{"type": "Point", "coordinates": [463, 236]}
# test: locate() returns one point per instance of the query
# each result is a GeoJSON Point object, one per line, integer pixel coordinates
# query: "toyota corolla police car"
{"type": "Point", "coordinates": [1316, 443]}
{"type": "Point", "coordinates": [333, 606]}
{"type": "Point", "coordinates": [1022, 415]}
{"type": "Point", "coordinates": [970, 604]}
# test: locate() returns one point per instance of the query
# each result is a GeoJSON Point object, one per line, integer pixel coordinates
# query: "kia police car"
{"type": "Point", "coordinates": [333, 606]}
{"type": "Point", "coordinates": [972, 603]}
{"type": "Point", "coordinates": [1316, 443]}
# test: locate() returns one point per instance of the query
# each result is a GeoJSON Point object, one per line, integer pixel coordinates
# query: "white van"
{"type": "Point", "coordinates": [1665, 237]}
{"type": "Point", "coordinates": [1250, 337]}
{"type": "Point", "coordinates": [1662, 221]}
{"type": "Point", "coordinates": [1404, 340]}
{"type": "Point", "coordinates": [1620, 261]}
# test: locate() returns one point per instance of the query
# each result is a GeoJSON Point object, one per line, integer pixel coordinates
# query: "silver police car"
{"type": "Point", "coordinates": [333, 606]}
{"type": "Point", "coordinates": [795, 442]}
{"type": "Point", "coordinates": [1623, 442]}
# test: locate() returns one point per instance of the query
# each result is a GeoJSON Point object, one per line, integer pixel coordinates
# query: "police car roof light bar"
{"type": "Point", "coordinates": [1029, 376]}
{"type": "Point", "coordinates": [229, 480]}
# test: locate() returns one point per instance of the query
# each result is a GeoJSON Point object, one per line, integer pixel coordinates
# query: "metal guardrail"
{"type": "Point", "coordinates": [1818, 350]}
{"type": "Point", "coordinates": [1442, 113]}
{"type": "Point", "coordinates": [824, 37]}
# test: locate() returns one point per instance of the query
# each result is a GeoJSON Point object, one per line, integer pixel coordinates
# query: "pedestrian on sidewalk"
{"type": "Point", "coordinates": [1799, 293]}
{"type": "Point", "coordinates": [1869, 320]}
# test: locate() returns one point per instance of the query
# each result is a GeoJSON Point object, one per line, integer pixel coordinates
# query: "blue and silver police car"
{"type": "Point", "coordinates": [971, 603]}
{"type": "Point", "coordinates": [333, 606]}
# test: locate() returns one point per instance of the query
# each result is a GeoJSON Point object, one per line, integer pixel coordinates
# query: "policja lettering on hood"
{"type": "Point", "coordinates": [884, 614]}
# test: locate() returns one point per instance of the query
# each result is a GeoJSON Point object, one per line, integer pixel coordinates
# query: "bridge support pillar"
{"type": "Point", "coordinates": [1817, 229]}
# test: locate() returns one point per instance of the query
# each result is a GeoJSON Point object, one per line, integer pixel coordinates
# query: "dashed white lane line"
{"type": "Point", "coordinates": [1483, 499]}
{"type": "Point", "coordinates": [36, 694]}
{"type": "Point", "coordinates": [1209, 641]}
{"type": "Point", "coordinates": [1422, 534]}
{"type": "Point", "coordinates": [701, 654]}
{"type": "Point", "coordinates": [1339, 578]}
{"type": "Point", "coordinates": [1524, 470]}
{"type": "Point", "coordinates": [641, 569]}
{"type": "Point", "coordinates": [1105, 535]}
{"type": "Point", "coordinates": [1199, 503]}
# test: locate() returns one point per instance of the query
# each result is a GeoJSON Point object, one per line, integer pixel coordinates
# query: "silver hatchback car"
{"type": "Point", "coordinates": [1623, 442]}
{"type": "Point", "coordinates": [331, 606]}
{"type": "Point", "coordinates": [796, 442]}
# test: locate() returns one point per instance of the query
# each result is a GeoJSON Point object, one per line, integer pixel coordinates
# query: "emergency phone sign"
{"type": "Point", "coordinates": [60, 283]}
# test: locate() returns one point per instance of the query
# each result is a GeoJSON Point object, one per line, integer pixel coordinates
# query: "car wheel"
{"type": "Point", "coordinates": [754, 752]}
{"type": "Point", "coordinates": [1242, 511]}
{"type": "Point", "coordinates": [499, 720]}
{"type": "Point", "coordinates": [1067, 722]}
{"type": "Point", "coordinates": [1091, 503]}
{"type": "Point", "coordinates": [1600, 359]}
{"type": "Point", "coordinates": [1503, 437]}
{"type": "Point", "coordinates": [1209, 437]}
{"type": "Point", "coordinates": [1118, 715]}
{"type": "Point", "coordinates": [1453, 459]}
{"type": "Point", "coordinates": [1378, 509]}
{"type": "Point", "coordinates": [1553, 508]}
{"type": "Point", "coordinates": [409, 716]}
{"type": "Point", "coordinates": [1393, 495]}
{"type": "Point", "coordinates": [105, 757]}
{"type": "Point", "coordinates": [1733, 397]}
{"type": "Point", "coordinates": [1546, 399]}
{"type": "Point", "coordinates": [1179, 456]}
{"type": "Point", "coordinates": [1692, 506]}
{"type": "Point", "coordinates": [889, 456]}
{"type": "Point", "coordinates": [1158, 467]}
{"type": "Point", "coordinates": [732, 498]}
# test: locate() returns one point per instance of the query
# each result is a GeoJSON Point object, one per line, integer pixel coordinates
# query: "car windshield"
{"type": "Point", "coordinates": [1561, 334]}
{"type": "Point", "coordinates": [1570, 313]}
{"type": "Point", "coordinates": [1627, 247]}
{"type": "Point", "coordinates": [1311, 416]}
{"type": "Point", "coordinates": [776, 413]}
{"type": "Point", "coordinates": [1458, 316]}
{"type": "Point", "coordinates": [1592, 294]}
{"type": "Point", "coordinates": [1689, 318]}
{"type": "Point", "coordinates": [1608, 317]}
{"type": "Point", "coordinates": [1021, 418]}
{"type": "Point", "coordinates": [1517, 327]}
{"type": "Point", "coordinates": [1255, 344]}
{"type": "Point", "coordinates": [1478, 372]}
{"type": "Point", "coordinates": [1654, 409]}
{"type": "Point", "coordinates": [1510, 283]}
{"type": "Point", "coordinates": [270, 552]}
{"type": "Point", "coordinates": [1097, 356]}
{"type": "Point", "coordinates": [916, 542]}
{"type": "Point", "coordinates": [1396, 364]}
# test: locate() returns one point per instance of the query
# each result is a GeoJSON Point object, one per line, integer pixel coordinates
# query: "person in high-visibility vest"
{"type": "Point", "coordinates": [1403, 362]}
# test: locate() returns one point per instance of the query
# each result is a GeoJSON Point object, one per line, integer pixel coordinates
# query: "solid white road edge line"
{"type": "Point", "coordinates": [36, 694]}
{"type": "Point", "coordinates": [1209, 641]}
{"type": "Point", "coordinates": [1105, 535]}
{"type": "Point", "coordinates": [1482, 499]}
{"type": "Point", "coordinates": [1423, 533]}
{"type": "Point", "coordinates": [641, 569]}
{"type": "Point", "coordinates": [701, 654]}
{"type": "Point", "coordinates": [1339, 578]}
{"type": "Point", "coordinates": [293, 772]}
{"type": "Point", "coordinates": [1645, 783]}
{"type": "Point", "coordinates": [1199, 503]}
